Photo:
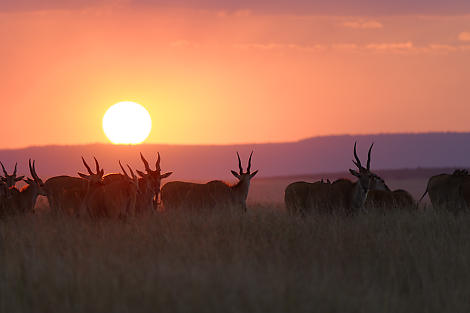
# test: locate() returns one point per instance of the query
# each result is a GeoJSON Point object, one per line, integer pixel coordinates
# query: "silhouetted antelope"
{"type": "Point", "coordinates": [148, 187]}
{"type": "Point", "coordinates": [381, 196]}
{"type": "Point", "coordinates": [115, 199]}
{"type": "Point", "coordinates": [342, 196]}
{"type": "Point", "coordinates": [24, 200]}
{"type": "Point", "coordinates": [8, 187]}
{"type": "Point", "coordinates": [10, 180]}
{"type": "Point", "coordinates": [156, 177]}
{"type": "Point", "coordinates": [210, 195]}
{"type": "Point", "coordinates": [66, 193]}
{"type": "Point", "coordinates": [94, 181]}
{"type": "Point", "coordinates": [449, 191]}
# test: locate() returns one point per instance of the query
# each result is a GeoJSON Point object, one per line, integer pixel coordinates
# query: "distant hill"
{"type": "Point", "coordinates": [325, 154]}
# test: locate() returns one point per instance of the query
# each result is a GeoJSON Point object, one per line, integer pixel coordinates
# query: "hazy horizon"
{"type": "Point", "coordinates": [146, 143]}
{"type": "Point", "coordinates": [309, 156]}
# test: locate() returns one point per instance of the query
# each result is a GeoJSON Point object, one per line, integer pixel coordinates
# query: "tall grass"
{"type": "Point", "coordinates": [263, 261]}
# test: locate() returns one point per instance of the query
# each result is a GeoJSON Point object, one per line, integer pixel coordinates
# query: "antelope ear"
{"type": "Point", "coordinates": [235, 174]}
{"type": "Point", "coordinates": [253, 174]}
{"type": "Point", "coordinates": [140, 174]}
{"type": "Point", "coordinates": [82, 175]}
{"type": "Point", "coordinates": [19, 178]}
{"type": "Point", "coordinates": [354, 173]}
{"type": "Point", "coordinates": [166, 175]}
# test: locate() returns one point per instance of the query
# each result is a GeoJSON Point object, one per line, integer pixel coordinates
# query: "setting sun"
{"type": "Point", "coordinates": [127, 123]}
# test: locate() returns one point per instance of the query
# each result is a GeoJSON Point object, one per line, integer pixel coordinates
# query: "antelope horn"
{"type": "Point", "coordinates": [239, 164]}
{"type": "Point", "coordinates": [357, 162]}
{"type": "Point", "coordinates": [4, 171]}
{"type": "Point", "coordinates": [147, 167]}
{"type": "Point", "coordinates": [87, 167]}
{"type": "Point", "coordinates": [123, 170]}
{"type": "Point", "coordinates": [97, 165]}
{"type": "Point", "coordinates": [368, 156]}
{"type": "Point", "coordinates": [32, 170]}
{"type": "Point", "coordinates": [14, 172]}
{"type": "Point", "coordinates": [249, 163]}
{"type": "Point", "coordinates": [132, 172]}
{"type": "Point", "coordinates": [157, 164]}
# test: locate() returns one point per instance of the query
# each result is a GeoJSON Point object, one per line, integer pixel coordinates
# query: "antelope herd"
{"type": "Point", "coordinates": [120, 195]}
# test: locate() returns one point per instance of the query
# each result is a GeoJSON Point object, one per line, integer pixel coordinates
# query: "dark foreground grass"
{"type": "Point", "coordinates": [264, 261]}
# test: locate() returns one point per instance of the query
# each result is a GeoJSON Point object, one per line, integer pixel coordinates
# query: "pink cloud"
{"type": "Point", "coordinates": [399, 47]}
{"type": "Point", "coordinates": [443, 48]}
{"type": "Point", "coordinates": [281, 46]}
{"type": "Point", "coordinates": [464, 36]}
{"type": "Point", "coordinates": [386, 47]}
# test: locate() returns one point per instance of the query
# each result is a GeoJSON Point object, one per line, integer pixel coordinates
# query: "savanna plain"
{"type": "Point", "coordinates": [395, 260]}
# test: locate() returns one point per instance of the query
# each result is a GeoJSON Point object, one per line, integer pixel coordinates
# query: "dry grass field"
{"type": "Point", "coordinates": [262, 261]}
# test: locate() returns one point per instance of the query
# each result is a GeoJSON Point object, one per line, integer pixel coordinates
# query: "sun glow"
{"type": "Point", "coordinates": [127, 123]}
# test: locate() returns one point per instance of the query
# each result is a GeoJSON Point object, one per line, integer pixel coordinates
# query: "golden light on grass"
{"type": "Point", "coordinates": [127, 122]}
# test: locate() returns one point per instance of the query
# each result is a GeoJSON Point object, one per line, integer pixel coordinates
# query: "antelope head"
{"type": "Point", "coordinates": [10, 180]}
{"type": "Point", "coordinates": [132, 179]}
{"type": "Point", "coordinates": [35, 180]}
{"type": "Point", "coordinates": [365, 178]}
{"type": "Point", "coordinates": [244, 176]}
{"type": "Point", "coordinates": [93, 178]}
{"type": "Point", "coordinates": [155, 175]}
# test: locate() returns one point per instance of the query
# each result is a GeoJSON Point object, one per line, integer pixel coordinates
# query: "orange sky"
{"type": "Point", "coordinates": [215, 76]}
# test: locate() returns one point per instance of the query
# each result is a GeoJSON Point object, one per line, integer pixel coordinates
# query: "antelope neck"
{"type": "Point", "coordinates": [241, 188]}
{"type": "Point", "coordinates": [380, 180]}
{"type": "Point", "coordinates": [359, 196]}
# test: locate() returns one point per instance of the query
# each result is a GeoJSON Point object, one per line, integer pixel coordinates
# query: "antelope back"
{"type": "Point", "coordinates": [174, 194]}
{"type": "Point", "coordinates": [114, 200]}
{"type": "Point", "coordinates": [110, 178]}
{"type": "Point", "coordinates": [214, 194]}
{"type": "Point", "coordinates": [65, 193]}
{"type": "Point", "coordinates": [304, 198]}
{"type": "Point", "coordinates": [445, 191]}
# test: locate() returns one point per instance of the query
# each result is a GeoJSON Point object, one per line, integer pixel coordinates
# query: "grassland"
{"type": "Point", "coordinates": [262, 261]}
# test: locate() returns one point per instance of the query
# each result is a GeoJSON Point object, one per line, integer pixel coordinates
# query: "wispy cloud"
{"type": "Point", "coordinates": [345, 46]}
{"type": "Point", "coordinates": [443, 48]}
{"type": "Point", "coordinates": [404, 48]}
{"type": "Point", "coordinates": [363, 24]}
{"type": "Point", "coordinates": [282, 46]}
{"type": "Point", "coordinates": [393, 46]}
